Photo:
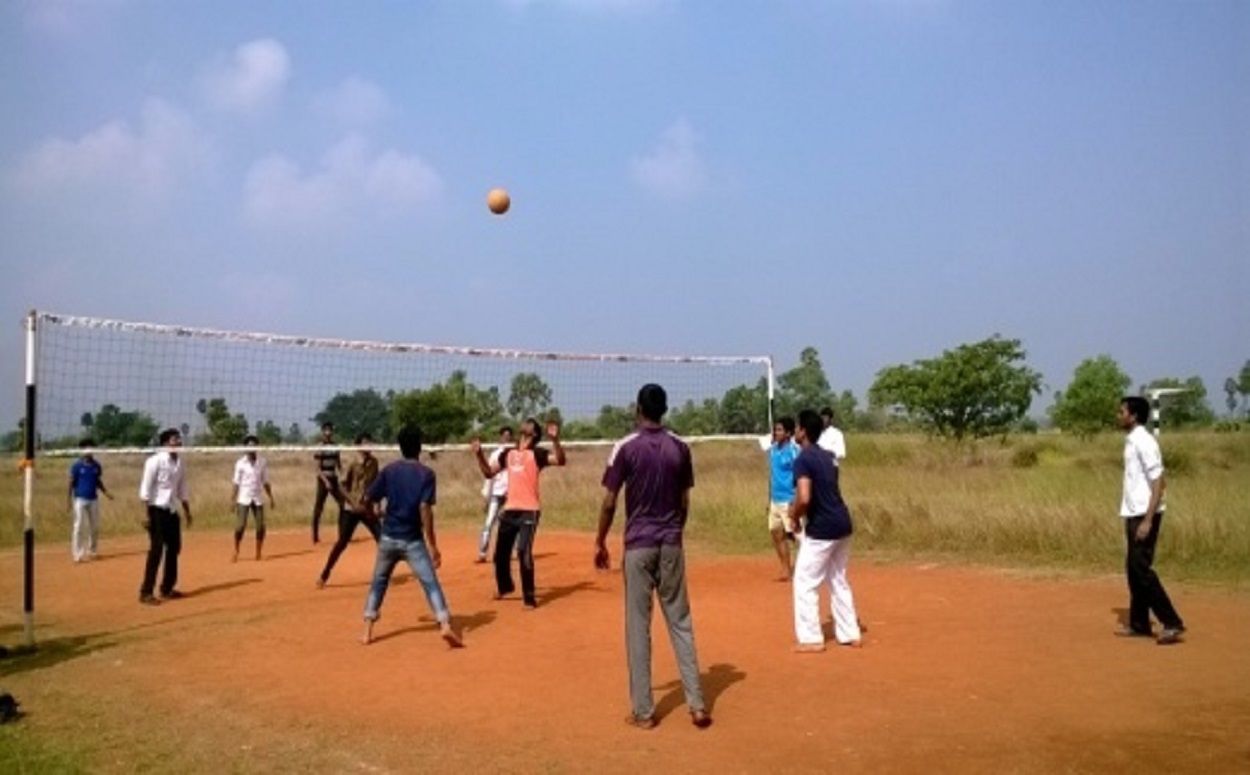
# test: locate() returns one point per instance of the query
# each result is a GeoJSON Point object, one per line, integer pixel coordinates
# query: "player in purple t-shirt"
{"type": "Point", "coordinates": [655, 468]}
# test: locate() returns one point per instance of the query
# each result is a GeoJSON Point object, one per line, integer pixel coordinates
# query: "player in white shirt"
{"type": "Point", "coordinates": [494, 492]}
{"type": "Point", "coordinates": [164, 483]}
{"type": "Point", "coordinates": [251, 480]}
{"type": "Point", "coordinates": [1142, 507]}
{"type": "Point", "coordinates": [831, 438]}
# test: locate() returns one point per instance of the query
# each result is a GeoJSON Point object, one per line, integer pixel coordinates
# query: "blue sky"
{"type": "Point", "coordinates": [879, 179]}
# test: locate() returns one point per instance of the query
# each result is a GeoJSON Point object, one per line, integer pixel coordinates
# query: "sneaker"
{"type": "Point", "coordinates": [148, 600]}
{"type": "Point", "coordinates": [641, 722]}
{"type": "Point", "coordinates": [1170, 635]}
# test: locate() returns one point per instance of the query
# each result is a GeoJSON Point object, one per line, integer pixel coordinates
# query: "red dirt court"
{"type": "Point", "coordinates": [964, 670]}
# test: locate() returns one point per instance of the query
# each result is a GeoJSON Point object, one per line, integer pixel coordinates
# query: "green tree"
{"type": "Point", "coordinates": [293, 435]}
{"type": "Point", "coordinates": [1230, 396]}
{"type": "Point", "coordinates": [744, 409]}
{"type": "Point", "coordinates": [113, 427]}
{"type": "Point", "coordinates": [614, 421]}
{"type": "Point", "coordinates": [528, 396]}
{"type": "Point", "coordinates": [224, 428]}
{"type": "Point", "coordinates": [268, 432]}
{"type": "Point", "coordinates": [1182, 410]}
{"type": "Point", "coordinates": [440, 411]}
{"type": "Point", "coordinates": [691, 419]}
{"type": "Point", "coordinates": [14, 440]}
{"type": "Point", "coordinates": [1090, 402]}
{"type": "Point", "coordinates": [805, 386]}
{"type": "Point", "coordinates": [979, 389]}
{"type": "Point", "coordinates": [361, 411]}
{"type": "Point", "coordinates": [484, 406]}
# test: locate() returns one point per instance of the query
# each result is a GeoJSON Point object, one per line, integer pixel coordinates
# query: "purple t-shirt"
{"type": "Point", "coordinates": [655, 468]}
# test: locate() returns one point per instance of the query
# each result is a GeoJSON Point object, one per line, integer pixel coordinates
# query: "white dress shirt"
{"type": "Point", "coordinates": [1143, 465]}
{"type": "Point", "coordinates": [251, 479]}
{"type": "Point", "coordinates": [164, 481]}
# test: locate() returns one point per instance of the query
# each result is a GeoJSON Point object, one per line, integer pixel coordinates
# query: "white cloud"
{"type": "Point", "coordinates": [674, 168]}
{"type": "Point", "coordinates": [351, 182]}
{"type": "Point", "coordinates": [251, 78]}
{"type": "Point", "coordinates": [139, 163]}
{"type": "Point", "coordinates": [355, 102]}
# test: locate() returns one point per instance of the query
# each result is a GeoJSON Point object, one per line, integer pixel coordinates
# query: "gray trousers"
{"type": "Point", "coordinates": [661, 571]}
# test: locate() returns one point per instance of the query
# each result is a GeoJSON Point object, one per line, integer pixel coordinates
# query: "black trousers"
{"type": "Point", "coordinates": [164, 538]}
{"type": "Point", "coordinates": [320, 503]}
{"type": "Point", "coordinates": [516, 528]}
{"type": "Point", "coordinates": [1145, 590]}
{"type": "Point", "coordinates": [348, 520]}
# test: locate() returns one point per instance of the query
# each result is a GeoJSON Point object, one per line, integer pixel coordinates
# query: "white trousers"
{"type": "Point", "coordinates": [821, 562]}
{"type": "Point", "coordinates": [83, 542]}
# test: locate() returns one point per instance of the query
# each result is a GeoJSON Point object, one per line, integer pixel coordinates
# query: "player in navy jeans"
{"type": "Point", "coordinates": [408, 488]}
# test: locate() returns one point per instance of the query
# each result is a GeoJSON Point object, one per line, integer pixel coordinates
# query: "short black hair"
{"type": "Point", "coordinates": [1138, 407]}
{"type": "Point", "coordinates": [362, 437]}
{"type": "Point", "coordinates": [786, 422]}
{"type": "Point", "coordinates": [327, 425]}
{"type": "Point", "coordinates": [250, 439]}
{"type": "Point", "coordinates": [811, 424]}
{"type": "Point", "coordinates": [506, 429]}
{"type": "Point", "coordinates": [410, 441]}
{"type": "Point", "coordinates": [827, 412]}
{"type": "Point", "coordinates": [537, 434]}
{"type": "Point", "coordinates": [87, 442]}
{"type": "Point", "coordinates": [652, 402]}
{"type": "Point", "coordinates": [168, 434]}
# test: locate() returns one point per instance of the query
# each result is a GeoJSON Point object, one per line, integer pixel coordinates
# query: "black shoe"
{"type": "Point", "coordinates": [148, 600]}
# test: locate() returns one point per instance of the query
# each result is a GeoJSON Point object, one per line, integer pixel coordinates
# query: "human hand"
{"type": "Point", "coordinates": [602, 559]}
{"type": "Point", "coordinates": [553, 431]}
{"type": "Point", "coordinates": [1143, 530]}
{"type": "Point", "coordinates": [436, 557]}
{"type": "Point", "coordinates": [475, 445]}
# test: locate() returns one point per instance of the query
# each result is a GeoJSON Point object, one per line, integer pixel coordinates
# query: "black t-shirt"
{"type": "Point", "coordinates": [328, 462]}
{"type": "Point", "coordinates": [828, 518]}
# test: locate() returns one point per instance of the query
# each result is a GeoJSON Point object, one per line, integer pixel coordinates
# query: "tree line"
{"type": "Point", "coordinates": [974, 390]}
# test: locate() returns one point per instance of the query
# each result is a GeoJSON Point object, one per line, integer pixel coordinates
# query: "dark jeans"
{"type": "Point", "coordinates": [1145, 591]}
{"type": "Point", "coordinates": [320, 502]}
{"type": "Point", "coordinates": [516, 527]}
{"type": "Point", "coordinates": [348, 520]}
{"type": "Point", "coordinates": [164, 537]}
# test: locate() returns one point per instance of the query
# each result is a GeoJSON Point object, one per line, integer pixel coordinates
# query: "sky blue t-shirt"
{"type": "Point", "coordinates": [85, 475]}
{"type": "Point", "coordinates": [828, 518]}
{"type": "Point", "coordinates": [404, 485]}
{"type": "Point", "coordinates": [781, 461]}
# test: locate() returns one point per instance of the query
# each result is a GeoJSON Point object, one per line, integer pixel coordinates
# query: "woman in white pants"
{"type": "Point", "coordinates": [825, 545]}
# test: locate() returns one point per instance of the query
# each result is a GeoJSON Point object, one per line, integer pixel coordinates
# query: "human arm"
{"type": "Point", "coordinates": [607, 513]}
{"type": "Point", "coordinates": [488, 470]}
{"type": "Point", "coordinates": [99, 485]}
{"type": "Point", "coordinates": [69, 496]}
{"type": "Point", "coordinates": [184, 495]}
{"type": "Point", "coordinates": [269, 492]}
{"type": "Point", "coordinates": [802, 499]}
{"type": "Point", "coordinates": [553, 433]}
{"type": "Point", "coordinates": [431, 540]}
{"type": "Point", "coordinates": [1157, 487]}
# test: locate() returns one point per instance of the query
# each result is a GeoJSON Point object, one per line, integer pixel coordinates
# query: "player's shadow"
{"type": "Point", "coordinates": [211, 588]}
{"type": "Point", "coordinates": [715, 680]}
{"type": "Point", "coordinates": [292, 553]}
{"type": "Point", "coordinates": [1121, 615]}
{"type": "Point", "coordinates": [52, 652]}
{"type": "Point", "coordinates": [553, 594]}
{"type": "Point", "coordinates": [461, 624]}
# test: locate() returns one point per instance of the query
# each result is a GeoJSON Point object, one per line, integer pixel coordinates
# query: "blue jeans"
{"type": "Point", "coordinates": [390, 552]}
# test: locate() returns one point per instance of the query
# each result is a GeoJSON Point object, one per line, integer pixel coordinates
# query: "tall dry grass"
{"type": "Point", "coordinates": [1046, 501]}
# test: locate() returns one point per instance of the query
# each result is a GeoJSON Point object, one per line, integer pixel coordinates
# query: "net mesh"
{"type": "Point", "coordinates": [118, 382]}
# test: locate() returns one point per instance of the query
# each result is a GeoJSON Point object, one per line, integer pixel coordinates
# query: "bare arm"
{"type": "Point", "coordinates": [1156, 497]}
{"type": "Point", "coordinates": [269, 492]}
{"type": "Point", "coordinates": [488, 471]}
{"type": "Point", "coordinates": [431, 540]}
{"type": "Point", "coordinates": [553, 433]}
{"type": "Point", "coordinates": [607, 513]}
{"type": "Point", "coordinates": [802, 499]}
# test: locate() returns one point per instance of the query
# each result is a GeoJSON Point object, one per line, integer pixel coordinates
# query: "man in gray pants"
{"type": "Point", "coordinates": [655, 467]}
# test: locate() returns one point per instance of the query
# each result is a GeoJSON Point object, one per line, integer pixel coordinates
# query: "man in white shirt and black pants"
{"type": "Point", "coordinates": [831, 438]}
{"type": "Point", "coordinates": [164, 481]}
{"type": "Point", "coordinates": [1142, 509]}
{"type": "Point", "coordinates": [251, 477]}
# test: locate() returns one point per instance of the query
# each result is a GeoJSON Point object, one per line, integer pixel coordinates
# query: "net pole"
{"type": "Point", "coordinates": [771, 394]}
{"type": "Point", "coordinates": [28, 488]}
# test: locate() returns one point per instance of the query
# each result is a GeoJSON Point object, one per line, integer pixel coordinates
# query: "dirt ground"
{"type": "Point", "coordinates": [967, 670]}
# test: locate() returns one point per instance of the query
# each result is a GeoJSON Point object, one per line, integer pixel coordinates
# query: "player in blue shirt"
{"type": "Point", "coordinates": [781, 457]}
{"type": "Point", "coordinates": [86, 480]}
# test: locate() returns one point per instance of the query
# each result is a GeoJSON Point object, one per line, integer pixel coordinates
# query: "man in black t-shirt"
{"type": "Point", "coordinates": [825, 545]}
{"type": "Point", "coordinates": [329, 463]}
